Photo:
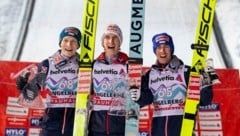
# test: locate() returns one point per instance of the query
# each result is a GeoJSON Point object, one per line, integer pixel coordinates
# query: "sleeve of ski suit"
{"type": "Point", "coordinates": [146, 96]}
{"type": "Point", "coordinates": [206, 96]}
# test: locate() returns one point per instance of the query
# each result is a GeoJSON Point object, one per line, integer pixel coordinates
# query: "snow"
{"type": "Point", "coordinates": [176, 17]}
{"type": "Point", "coordinates": [228, 14]}
{"type": "Point", "coordinates": [10, 17]}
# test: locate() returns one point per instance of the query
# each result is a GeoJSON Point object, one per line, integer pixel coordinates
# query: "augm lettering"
{"type": "Point", "coordinates": [137, 25]}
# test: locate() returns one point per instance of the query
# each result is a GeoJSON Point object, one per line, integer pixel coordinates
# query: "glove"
{"type": "Point", "coordinates": [209, 69]}
{"type": "Point", "coordinates": [30, 91]}
{"type": "Point", "coordinates": [205, 80]}
{"type": "Point", "coordinates": [22, 80]}
{"type": "Point", "coordinates": [134, 93]}
{"type": "Point", "coordinates": [209, 75]}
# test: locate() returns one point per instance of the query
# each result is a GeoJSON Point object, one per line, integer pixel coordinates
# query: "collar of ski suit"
{"type": "Point", "coordinates": [121, 58]}
{"type": "Point", "coordinates": [60, 61]}
{"type": "Point", "coordinates": [174, 63]}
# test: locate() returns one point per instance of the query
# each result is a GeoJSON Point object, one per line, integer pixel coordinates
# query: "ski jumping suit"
{"type": "Point", "coordinates": [166, 90]}
{"type": "Point", "coordinates": [109, 79]}
{"type": "Point", "coordinates": [60, 91]}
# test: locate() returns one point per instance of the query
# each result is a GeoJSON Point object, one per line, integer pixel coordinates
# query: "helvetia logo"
{"type": "Point", "coordinates": [168, 77]}
{"type": "Point", "coordinates": [108, 71]}
{"type": "Point", "coordinates": [70, 70]}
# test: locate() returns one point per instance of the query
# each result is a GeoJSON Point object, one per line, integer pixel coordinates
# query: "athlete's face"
{"type": "Point", "coordinates": [163, 54]}
{"type": "Point", "coordinates": [69, 46]}
{"type": "Point", "coordinates": [111, 44]}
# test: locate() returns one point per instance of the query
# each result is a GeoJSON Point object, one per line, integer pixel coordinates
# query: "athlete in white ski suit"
{"type": "Point", "coordinates": [57, 76]}
{"type": "Point", "coordinates": [164, 85]}
{"type": "Point", "coordinates": [109, 78]}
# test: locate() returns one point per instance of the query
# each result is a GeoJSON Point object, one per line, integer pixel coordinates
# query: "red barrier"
{"type": "Point", "coordinates": [227, 94]}
{"type": "Point", "coordinates": [19, 120]}
{"type": "Point", "coordinates": [15, 119]}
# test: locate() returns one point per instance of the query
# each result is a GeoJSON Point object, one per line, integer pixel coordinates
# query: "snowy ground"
{"type": "Point", "coordinates": [176, 17]}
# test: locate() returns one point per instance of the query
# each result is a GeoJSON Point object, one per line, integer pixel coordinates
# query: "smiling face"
{"type": "Point", "coordinates": [69, 46]}
{"type": "Point", "coordinates": [163, 54]}
{"type": "Point", "coordinates": [111, 44]}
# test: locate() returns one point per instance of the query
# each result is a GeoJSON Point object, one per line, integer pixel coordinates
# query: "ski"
{"type": "Point", "coordinates": [135, 63]}
{"type": "Point", "coordinates": [200, 52]}
{"type": "Point", "coordinates": [85, 69]}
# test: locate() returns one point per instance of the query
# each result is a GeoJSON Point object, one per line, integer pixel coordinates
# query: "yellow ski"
{"type": "Point", "coordinates": [85, 70]}
{"type": "Point", "coordinates": [200, 52]}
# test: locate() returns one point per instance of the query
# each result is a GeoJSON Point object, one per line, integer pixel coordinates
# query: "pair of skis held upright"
{"type": "Point", "coordinates": [203, 33]}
